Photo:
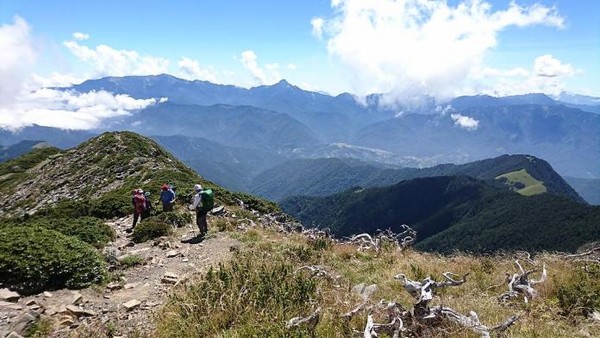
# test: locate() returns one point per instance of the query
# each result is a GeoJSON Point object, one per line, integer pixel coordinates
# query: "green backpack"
{"type": "Point", "coordinates": [208, 200]}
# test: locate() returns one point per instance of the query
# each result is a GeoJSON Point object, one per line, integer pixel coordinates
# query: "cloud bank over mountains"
{"type": "Point", "coordinates": [402, 48]}
{"type": "Point", "coordinates": [414, 47]}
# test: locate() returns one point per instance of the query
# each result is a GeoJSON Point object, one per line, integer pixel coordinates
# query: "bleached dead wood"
{"type": "Point", "coordinates": [472, 321]}
{"type": "Point", "coordinates": [350, 314]}
{"type": "Point", "coordinates": [392, 328]}
{"type": "Point", "coordinates": [317, 271]}
{"type": "Point", "coordinates": [423, 292]}
{"type": "Point", "coordinates": [310, 321]}
{"type": "Point", "coordinates": [590, 256]}
{"type": "Point", "coordinates": [520, 284]}
{"type": "Point", "coordinates": [402, 239]}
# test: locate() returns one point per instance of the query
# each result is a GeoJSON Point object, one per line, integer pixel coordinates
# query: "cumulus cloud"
{"type": "Point", "coordinates": [465, 122]}
{"type": "Point", "coordinates": [548, 66]}
{"type": "Point", "coordinates": [16, 58]}
{"type": "Point", "coordinates": [415, 47]}
{"type": "Point", "coordinates": [55, 79]}
{"type": "Point", "coordinates": [190, 69]}
{"type": "Point", "coordinates": [546, 75]}
{"type": "Point", "coordinates": [107, 61]}
{"type": "Point", "coordinates": [268, 75]}
{"type": "Point", "coordinates": [68, 110]}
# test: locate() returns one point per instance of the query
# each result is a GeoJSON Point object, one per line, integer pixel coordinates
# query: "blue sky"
{"type": "Point", "coordinates": [403, 48]}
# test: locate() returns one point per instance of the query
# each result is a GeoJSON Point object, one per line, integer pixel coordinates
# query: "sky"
{"type": "Point", "coordinates": [400, 48]}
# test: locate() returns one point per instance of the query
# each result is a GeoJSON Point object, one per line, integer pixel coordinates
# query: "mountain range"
{"type": "Point", "coordinates": [235, 135]}
{"type": "Point", "coordinates": [509, 202]}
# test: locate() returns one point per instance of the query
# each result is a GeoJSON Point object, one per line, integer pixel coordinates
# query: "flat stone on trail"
{"type": "Point", "coordinates": [77, 298]}
{"type": "Point", "coordinates": [9, 296]}
{"type": "Point", "coordinates": [10, 305]}
{"type": "Point", "coordinates": [79, 312]}
{"type": "Point", "coordinates": [114, 286]}
{"type": "Point", "coordinates": [170, 278]}
{"type": "Point", "coordinates": [172, 253]}
{"type": "Point", "coordinates": [132, 304]}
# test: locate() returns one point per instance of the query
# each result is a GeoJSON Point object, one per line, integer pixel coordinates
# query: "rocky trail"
{"type": "Point", "coordinates": [126, 305]}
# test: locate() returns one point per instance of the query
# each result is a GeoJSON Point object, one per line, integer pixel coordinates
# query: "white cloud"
{"type": "Point", "coordinates": [547, 76]}
{"type": "Point", "coordinates": [465, 122]}
{"type": "Point", "coordinates": [68, 110]}
{"type": "Point", "coordinates": [55, 79]}
{"type": "Point", "coordinates": [190, 69]}
{"type": "Point", "coordinates": [16, 58]}
{"type": "Point", "coordinates": [317, 27]}
{"type": "Point", "coordinates": [548, 66]}
{"type": "Point", "coordinates": [268, 75]}
{"type": "Point", "coordinates": [80, 36]}
{"type": "Point", "coordinates": [107, 61]}
{"type": "Point", "coordinates": [414, 47]}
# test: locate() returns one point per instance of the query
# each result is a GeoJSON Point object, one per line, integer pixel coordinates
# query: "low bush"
{"type": "Point", "coordinates": [580, 295]}
{"type": "Point", "coordinates": [149, 229]}
{"type": "Point", "coordinates": [34, 259]}
{"type": "Point", "coordinates": [176, 219]}
{"type": "Point", "coordinates": [113, 204]}
{"type": "Point", "coordinates": [130, 261]}
{"type": "Point", "coordinates": [88, 229]}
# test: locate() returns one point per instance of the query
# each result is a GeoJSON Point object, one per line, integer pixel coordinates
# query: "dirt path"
{"type": "Point", "coordinates": [125, 306]}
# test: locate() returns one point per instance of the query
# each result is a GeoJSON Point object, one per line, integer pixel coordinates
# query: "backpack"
{"type": "Point", "coordinates": [208, 200]}
{"type": "Point", "coordinates": [140, 203]}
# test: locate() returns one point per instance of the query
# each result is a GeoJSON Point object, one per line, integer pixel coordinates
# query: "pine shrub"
{"type": "Point", "coordinates": [88, 229]}
{"type": "Point", "coordinates": [34, 259]}
{"type": "Point", "coordinates": [151, 228]}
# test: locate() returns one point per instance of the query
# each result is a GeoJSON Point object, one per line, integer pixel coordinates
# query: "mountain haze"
{"type": "Point", "coordinates": [430, 132]}
{"type": "Point", "coordinates": [322, 177]}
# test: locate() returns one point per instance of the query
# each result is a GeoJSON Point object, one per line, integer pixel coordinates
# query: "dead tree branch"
{"type": "Point", "coordinates": [310, 321]}
{"type": "Point", "coordinates": [520, 284]}
{"type": "Point", "coordinates": [423, 292]}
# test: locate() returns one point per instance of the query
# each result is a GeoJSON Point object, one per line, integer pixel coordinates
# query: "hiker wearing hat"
{"type": "Point", "coordinates": [203, 203]}
{"type": "Point", "coordinates": [167, 197]}
{"type": "Point", "coordinates": [139, 206]}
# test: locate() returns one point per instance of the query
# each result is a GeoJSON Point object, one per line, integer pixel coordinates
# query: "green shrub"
{"type": "Point", "coordinates": [34, 259]}
{"type": "Point", "coordinates": [88, 229]}
{"type": "Point", "coordinates": [116, 203]}
{"type": "Point", "coordinates": [223, 224]}
{"type": "Point", "coordinates": [149, 229]}
{"type": "Point", "coordinates": [176, 219]}
{"type": "Point", "coordinates": [130, 261]}
{"type": "Point", "coordinates": [581, 293]}
{"type": "Point", "coordinates": [66, 209]}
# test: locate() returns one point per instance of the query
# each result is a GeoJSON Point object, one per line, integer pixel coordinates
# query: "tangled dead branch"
{"type": "Point", "coordinates": [423, 292]}
{"type": "Point", "coordinates": [310, 321]}
{"type": "Point", "coordinates": [521, 284]}
{"type": "Point", "coordinates": [402, 239]}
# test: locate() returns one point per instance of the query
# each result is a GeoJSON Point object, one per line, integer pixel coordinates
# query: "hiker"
{"type": "Point", "coordinates": [148, 206]}
{"type": "Point", "coordinates": [139, 206]}
{"type": "Point", "coordinates": [203, 203]}
{"type": "Point", "coordinates": [167, 197]}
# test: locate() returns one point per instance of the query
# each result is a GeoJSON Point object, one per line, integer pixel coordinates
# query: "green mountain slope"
{"type": "Point", "coordinates": [104, 169]}
{"type": "Point", "coordinates": [449, 212]}
{"type": "Point", "coordinates": [322, 177]}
